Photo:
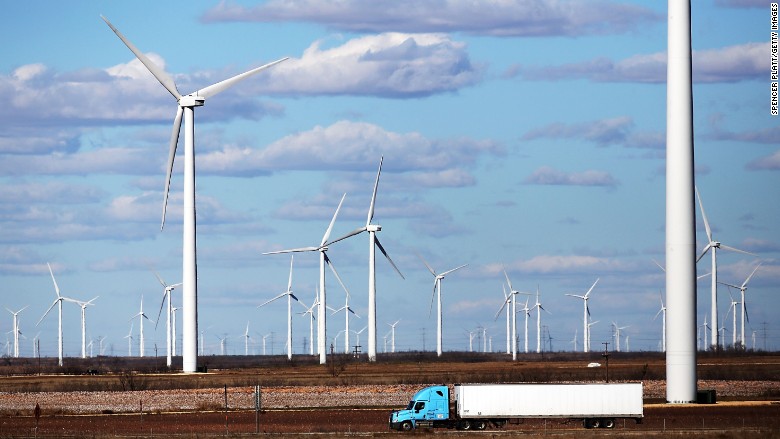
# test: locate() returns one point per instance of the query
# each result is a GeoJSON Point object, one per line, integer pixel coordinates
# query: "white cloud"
{"type": "Point", "coordinates": [740, 62]}
{"type": "Point", "coordinates": [770, 162]}
{"type": "Point", "coordinates": [550, 176]}
{"type": "Point", "coordinates": [487, 17]}
{"type": "Point", "coordinates": [389, 65]}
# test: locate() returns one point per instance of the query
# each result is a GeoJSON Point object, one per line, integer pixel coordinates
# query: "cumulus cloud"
{"type": "Point", "coordinates": [390, 65]}
{"type": "Point", "coordinates": [527, 18]}
{"type": "Point", "coordinates": [550, 176]}
{"type": "Point", "coordinates": [603, 132]}
{"type": "Point", "coordinates": [351, 146]}
{"type": "Point", "coordinates": [736, 63]}
{"type": "Point", "coordinates": [770, 162]}
{"type": "Point", "coordinates": [564, 264]}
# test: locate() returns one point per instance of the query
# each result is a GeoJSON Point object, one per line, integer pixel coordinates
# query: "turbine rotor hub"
{"type": "Point", "coordinates": [192, 101]}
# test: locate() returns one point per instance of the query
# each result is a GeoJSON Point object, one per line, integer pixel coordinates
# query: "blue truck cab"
{"type": "Point", "coordinates": [428, 407]}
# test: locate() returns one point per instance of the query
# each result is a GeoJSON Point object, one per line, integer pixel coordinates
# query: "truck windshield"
{"type": "Point", "coordinates": [410, 405]}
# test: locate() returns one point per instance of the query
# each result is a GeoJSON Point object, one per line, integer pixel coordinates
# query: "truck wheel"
{"type": "Point", "coordinates": [406, 426]}
{"type": "Point", "coordinates": [480, 425]}
{"type": "Point", "coordinates": [607, 423]}
{"type": "Point", "coordinates": [464, 425]}
{"type": "Point", "coordinates": [593, 423]}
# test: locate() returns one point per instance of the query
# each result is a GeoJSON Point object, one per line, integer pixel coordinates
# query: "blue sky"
{"type": "Point", "coordinates": [525, 134]}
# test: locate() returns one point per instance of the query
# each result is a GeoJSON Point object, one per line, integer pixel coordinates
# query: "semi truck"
{"type": "Point", "coordinates": [479, 406]}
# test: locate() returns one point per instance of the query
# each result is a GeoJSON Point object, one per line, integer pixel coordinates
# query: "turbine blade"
{"type": "Point", "coordinates": [382, 249]}
{"type": "Point", "coordinates": [289, 281]}
{"type": "Point", "coordinates": [162, 282]}
{"type": "Point", "coordinates": [704, 252]}
{"type": "Point", "coordinates": [430, 308]}
{"type": "Point", "coordinates": [335, 273]}
{"type": "Point", "coordinates": [450, 271]}
{"type": "Point", "coordinates": [158, 73]}
{"type": "Point", "coordinates": [426, 264]}
{"type": "Point", "coordinates": [221, 86]}
{"type": "Point", "coordinates": [703, 216]}
{"type": "Point", "coordinates": [159, 313]}
{"type": "Point", "coordinates": [591, 287]}
{"type": "Point", "coordinates": [332, 221]}
{"type": "Point", "coordinates": [269, 301]}
{"type": "Point", "coordinates": [659, 266]}
{"type": "Point", "coordinates": [47, 312]}
{"type": "Point", "coordinates": [348, 235]}
{"type": "Point", "coordinates": [744, 284]}
{"type": "Point", "coordinates": [292, 250]}
{"type": "Point", "coordinates": [171, 157]}
{"type": "Point", "coordinates": [373, 195]}
{"type": "Point", "coordinates": [726, 247]}
{"type": "Point", "coordinates": [56, 288]}
{"type": "Point", "coordinates": [508, 282]}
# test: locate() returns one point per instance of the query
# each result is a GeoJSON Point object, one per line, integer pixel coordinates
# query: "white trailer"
{"type": "Point", "coordinates": [596, 404]}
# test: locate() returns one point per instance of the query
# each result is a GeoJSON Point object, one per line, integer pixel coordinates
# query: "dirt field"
{"type": "Point", "coordinates": [349, 397]}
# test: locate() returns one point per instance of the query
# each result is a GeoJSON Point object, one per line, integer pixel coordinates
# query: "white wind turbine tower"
{"type": "Point", "coordinates": [539, 308]}
{"type": "Point", "coordinates": [617, 334]}
{"type": "Point", "coordinates": [663, 319]}
{"type": "Point", "coordinates": [705, 327]}
{"type": "Point", "coordinates": [588, 337]}
{"type": "Point", "coordinates": [347, 310]}
{"type": "Point", "coordinates": [373, 243]}
{"type": "Point", "coordinates": [129, 338]}
{"type": "Point", "coordinates": [16, 329]}
{"type": "Point", "coordinates": [585, 314]}
{"type": "Point", "coordinates": [58, 301]}
{"type": "Point", "coordinates": [290, 298]}
{"type": "Point", "coordinates": [246, 340]}
{"type": "Point", "coordinates": [574, 340]}
{"type": "Point", "coordinates": [437, 293]}
{"type": "Point", "coordinates": [141, 316]}
{"type": "Point", "coordinates": [513, 293]}
{"type": "Point", "coordinates": [173, 330]}
{"type": "Point", "coordinates": [310, 312]}
{"type": "Point", "coordinates": [527, 313]}
{"type": "Point", "coordinates": [322, 303]}
{"type": "Point", "coordinates": [186, 107]}
{"type": "Point", "coordinates": [504, 304]}
{"type": "Point", "coordinates": [742, 288]}
{"type": "Point", "coordinates": [714, 246]}
{"type": "Point", "coordinates": [732, 307]}
{"type": "Point", "coordinates": [392, 337]}
{"type": "Point", "coordinates": [167, 289]}
{"type": "Point", "coordinates": [84, 306]}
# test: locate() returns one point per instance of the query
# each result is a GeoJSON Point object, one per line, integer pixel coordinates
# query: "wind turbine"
{"type": "Point", "coordinates": [173, 330]}
{"type": "Point", "coordinates": [589, 325]}
{"type": "Point", "coordinates": [373, 243]}
{"type": "Point", "coordinates": [574, 340]}
{"type": "Point", "coordinates": [585, 314]}
{"type": "Point", "coordinates": [166, 295]}
{"type": "Point", "coordinates": [324, 259]}
{"type": "Point", "coordinates": [507, 299]}
{"type": "Point", "coordinates": [663, 319]}
{"type": "Point", "coordinates": [186, 108]}
{"type": "Point", "coordinates": [347, 310]}
{"type": "Point", "coordinates": [16, 329]}
{"type": "Point", "coordinates": [539, 308]}
{"type": "Point", "coordinates": [310, 312]}
{"type": "Point", "coordinates": [392, 338]}
{"type": "Point", "coordinates": [513, 294]}
{"type": "Point", "coordinates": [617, 334]}
{"type": "Point", "coordinates": [129, 338]}
{"type": "Point", "coordinates": [437, 293]}
{"type": "Point", "coordinates": [246, 339]}
{"type": "Point", "coordinates": [84, 306]}
{"type": "Point", "coordinates": [141, 316]}
{"type": "Point", "coordinates": [58, 301]}
{"type": "Point", "coordinates": [714, 246]}
{"type": "Point", "coordinates": [290, 298]}
{"type": "Point", "coordinates": [705, 327]}
{"type": "Point", "coordinates": [742, 288]}
{"type": "Point", "coordinates": [732, 307]}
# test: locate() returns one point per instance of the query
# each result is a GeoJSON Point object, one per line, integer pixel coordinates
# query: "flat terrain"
{"type": "Point", "coordinates": [349, 396]}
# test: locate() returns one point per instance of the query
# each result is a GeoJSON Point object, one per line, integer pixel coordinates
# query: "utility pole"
{"type": "Point", "coordinates": [606, 356]}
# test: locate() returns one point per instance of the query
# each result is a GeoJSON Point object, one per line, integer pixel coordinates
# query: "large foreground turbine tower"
{"type": "Point", "coordinates": [680, 211]}
{"type": "Point", "coordinates": [186, 105]}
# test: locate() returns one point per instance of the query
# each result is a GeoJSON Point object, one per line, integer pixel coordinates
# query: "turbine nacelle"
{"type": "Point", "coordinates": [373, 228]}
{"type": "Point", "coordinates": [192, 101]}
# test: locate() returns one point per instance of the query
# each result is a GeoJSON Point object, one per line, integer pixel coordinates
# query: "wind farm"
{"type": "Point", "coordinates": [534, 170]}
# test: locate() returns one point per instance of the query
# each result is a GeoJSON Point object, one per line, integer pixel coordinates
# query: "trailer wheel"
{"type": "Point", "coordinates": [499, 423]}
{"type": "Point", "coordinates": [607, 423]}
{"type": "Point", "coordinates": [406, 426]}
{"type": "Point", "coordinates": [480, 425]}
{"type": "Point", "coordinates": [464, 425]}
{"type": "Point", "coordinates": [592, 423]}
